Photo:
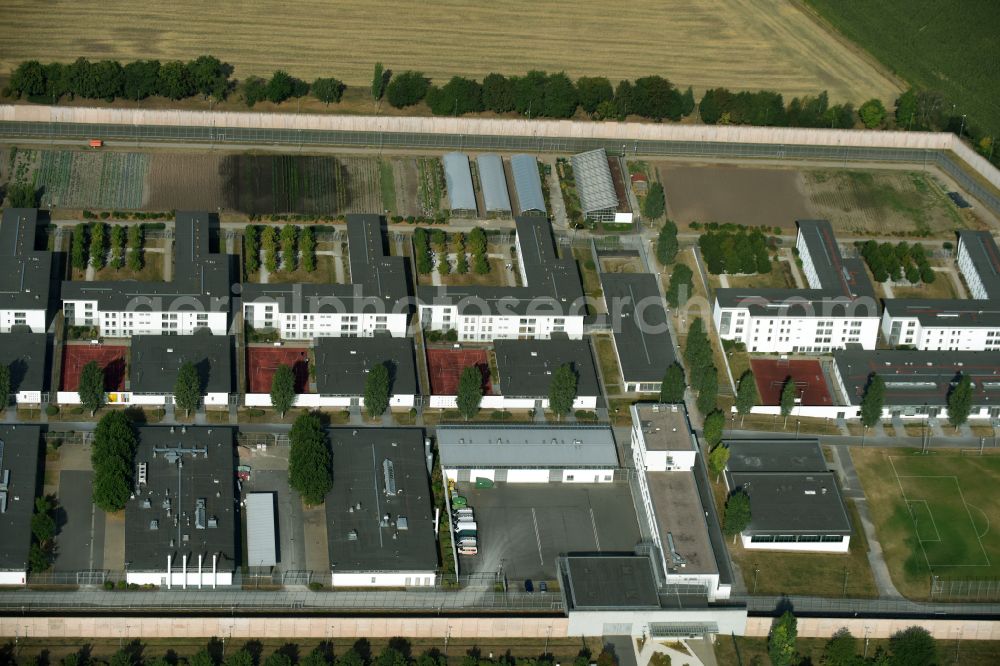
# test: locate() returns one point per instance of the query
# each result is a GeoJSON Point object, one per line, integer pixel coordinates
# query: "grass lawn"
{"type": "Point", "coordinates": [591, 280]}
{"type": "Point", "coordinates": [749, 650]}
{"type": "Point", "coordinates": [780, 277]}
{"type": "Point", "coordinates": [932, 513]}
{"type": "Point", "coordinates": [151, 271]}
{"type": "Point", "coordinates": [807, 426]}
{"type": "Point", "coordinates": [325, 273]}
{"type": "Point", "coordinates": [497, 277]}
{"type": "Point", "coordinates": [817, 574]}
{"type": "Point", "coordinates": [387, 185]}
{"type": "Point", "coordinates": [608, 359]}
{"type": "Point", "coordinates": [940, 288]}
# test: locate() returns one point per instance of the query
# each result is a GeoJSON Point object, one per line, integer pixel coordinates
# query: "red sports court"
{"type": "Point", "coordinates": [810, 383]}
{"type": "Point", "coordinates": [262, 362]}
{"type": "Point", "coordinates": [445, 365]}
{"type": "Point", "coordinates": [111, 358]}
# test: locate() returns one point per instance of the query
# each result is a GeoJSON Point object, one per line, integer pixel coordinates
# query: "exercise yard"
{"type": "Point", "coordinates": [771, 374]}
{"type": "Point", "coordinates": [262, 362]}
{"type": "Point", "coordinates": [935, 515]}
{"type": "Point", "coordinates": [444, 366]}
{"type": "Point", "coordinates": [111, 358]}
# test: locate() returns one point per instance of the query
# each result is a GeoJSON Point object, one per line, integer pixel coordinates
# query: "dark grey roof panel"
{"type": "Point", "coordinates": [793, 503]}
{"type": "Point", "coordinates": [19, 450]}
{"type": "Point", "coordinates": [946, 313]}
{"type": "Point", "coordinates": [26, 354]}
{"type": "Point", "coordinates": [527, 446]}
{"type": "Point", "coordinates": [985, 256]}
{"type": "Point", "coordinates": [525, 367]}
{"type": "Point", "coordinates": [639, 321]}
{"type": "Point", "coordinates": [156, 359]}
{"type": "Point", "coordinates": [343, 364]}
{"type": "Point", "coordinates": [25, 273]}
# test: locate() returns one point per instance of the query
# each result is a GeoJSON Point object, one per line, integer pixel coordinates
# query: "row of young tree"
{"type": "Point", "coordinates": [396, 652]}
{"type": "Point", "coordinates": [426, 243]}
{"type": "Point", "coordinates": [735, 250]}
{"type": "Point", "coordinates": [288, 249]}
{"type": "Point", "coordinates": [913, 646]}
{"type": "Point", "coordinates": [895, 262]}
{"type": "Point", "coordinates": [98, 245]}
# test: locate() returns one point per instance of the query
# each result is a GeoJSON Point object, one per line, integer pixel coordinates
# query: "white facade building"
{"type": "Point", "coordinates": [550, 302]}
{"type": "Point", "coordinates": [979, 262]}
{"type": "Point", "coordinates": [942, 325]}
{"type": "Point", "coordinates": [376, 303]}
{"type": "Point", "coordinates": [196, 299]}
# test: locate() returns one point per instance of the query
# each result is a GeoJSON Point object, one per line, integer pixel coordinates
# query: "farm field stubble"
{"type": "Point", "coordinates": [741, 44]}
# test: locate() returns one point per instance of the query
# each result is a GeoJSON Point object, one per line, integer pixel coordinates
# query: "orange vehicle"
{"type": "Point", "coordinates": [96, 143]}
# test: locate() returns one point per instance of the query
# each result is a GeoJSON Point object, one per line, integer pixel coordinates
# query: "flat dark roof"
{"type": "Point", "coordinates": [156, 359]}
{"type": "Point", "coordinates": [915, 378]}
{"type": "Point", "coordinates": [379, 280]}
{"type": "Point", "coordinates": [553, 283]}
{"type": "Point", "coordinates": [946, 313]}
{"type": "Point", "coordinates": [19, 450]}
{"type": "Point", "coordinates": [26, 354]}
{"type": "Point", "coordinates": [25, 273]}
{"type": "Point", "coordinates": [847, 277]}
{"type": "Point", "coordinates": [985, 256]}
{"type": "Point", "coordinates": [639, 322]}
{"type": "Point", "coordinates": [775, 455]}
{"type": "Point", "coordinates": [611, 581]}
{"type": "Point", "coordinates": [201, 277]}
{"type": "Point", "coordinates": [184, 465]}
{"type": "Point", "coordinates": [796, 303]}
{"type": "Point", "coordinates": [793, 502]}
{"type": "Point", "coordinates": [359, 539]}
{"type": "Point", "coordinates": [525, 367]}
{"type": "Point", "coordinates": [343, 364]}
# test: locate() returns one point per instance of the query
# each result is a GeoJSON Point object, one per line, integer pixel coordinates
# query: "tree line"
{"type": "Point", "coordinates": [888, 261]}
{"type": "Point", "coordinates": [736, 250]}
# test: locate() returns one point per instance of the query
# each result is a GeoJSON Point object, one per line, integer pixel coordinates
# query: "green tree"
{"type": "Point", "coordinates": [202, 658]}
{"type": "Point", "coordinates": [22, 195]}
{"type": "Point", "coordinates": [470, 391]}
{"type": "Point", "coordinates": [672, 388]}
{"type": "Point", "coordinates": [135, 238]}
{"type": "Point", "coordinates": [718, 458]}
{"type": "Point", "coordinates": [377, 390]}
{"type": "Point", "coordinates": [43, 525]}
{"type": "Point", "coordinates": [656, 98]}
{"type": "Point", "coordinates": [289, 247]}
{"type": "Point", "coordinates": [747, 396]}
{"type": "Point", "coordinates": [239, 658]}
{"type": "Point", "coordinates": [98, 251]}
{"type": "Point", "coordinates": [251, 249]}
{"type": "Point", "coordinates": [91, 387]}
{"type": "Point", "coordinates": [697, 349]}
{"type": "Point", "coordinates": [141, 79]}
{"type": "Point", "coordinates": [872, 401]}
{"type": "Point", "coordinates": [5, 387]}
{"type": "Point", "coordinates": [175, 80]}
{"type": "Point", "coordinates": [117, 246]}
{"type": "Point", "coordinates": [960, 401]}
{"type": "Point", "coordinates": [283, 389]}
{"type": "Point", "coordinates": [708, 391]}
{"type": "Point", "coordinates": [254, 90]}
{"type": "Point", "coordinates": [841, 650]}
{"type": "Point", "coordinates": [407, 89]}
{"type": "Point", "coordinates": [282, 86]}
{"type": "Point", "coordinates": [444, 266]}
{"type": "Point", "coordinates": [380, 78]}
{"type": "Point", "coordinates": [457, 97]}
{"type": "Point", "coordinates": [269, 243]}
{"type": "Point", "coordinates": [666, 243]}
{"type": "Point", "coordinates": [28, 79]}
{"type": "Point", "coordinates": [787, 400]}
{"type": "Point", "coordinates": [327, 90]}
{"type": "Point", "coordinates": [681, 285]}
{"type": "Point", "coordinates": [913, 646]}
{"type": "Point", "coordinates": [307, 249]}
{"type": "Point", "coordinates": [781, 641]}
{"type": "Point", "coordinates": [309, 471]}
{"type": "Point", "coordinates": [563, 389]}
{"type": "Point", "coordinates": [498, 93]}
{"type": "Point", "coordinates": [560, 99]}
{"type": "Point", "coordinates": [593, 91]}
{"type": "Point", "coordinates": [278, 658]}
{"type": "Point", "coordinates": [737, 514]}
{"type": "Point", "coordinates": [124, 656]}
{"type": "Point", "coordinates": [79, 253]}
{"type": "Point", "coordinates": [187, 387]}
{"type": "Point", "coordinates": [112, 458]}
{"type": "Point", "coordinates": [654, 204]}
{"type": "Point", "coordinates": [715, 421]}
{"type": "Point", "coordinates": [872, 113]}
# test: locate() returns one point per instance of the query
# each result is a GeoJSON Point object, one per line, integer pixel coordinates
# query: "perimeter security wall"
{"type": "Point", "coordinates": [944, 150]}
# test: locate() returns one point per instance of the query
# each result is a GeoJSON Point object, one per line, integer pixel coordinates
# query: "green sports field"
{"type": "Point", "coordinates": [935, 515]}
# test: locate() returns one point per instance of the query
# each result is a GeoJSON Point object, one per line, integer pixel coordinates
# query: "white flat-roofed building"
{"type": "Point", "coordinates": [25, 273]}
{"type": "Point", "coordinates": [196, 299]}
{"type": "Point", "coordinates": [979, 263]}
{"type": "Point", "coordinates": [942, 325]}
{"type": "Point", "coordinates": [376, 303]}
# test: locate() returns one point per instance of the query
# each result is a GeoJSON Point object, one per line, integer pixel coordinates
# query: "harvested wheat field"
{"type": "Point", "coordinates": [740, 44]}
{"type": "Point", "coordinates": [857, 203]}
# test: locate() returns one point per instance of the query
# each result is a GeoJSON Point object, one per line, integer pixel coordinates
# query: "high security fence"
{"type": "Point", "coordinates": [973, 173]}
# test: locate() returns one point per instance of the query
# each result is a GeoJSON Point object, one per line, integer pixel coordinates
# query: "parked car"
{"type": "Point", "coordinates": [529, 586]}
{"type": "Point", "coordinates": [543, 586]}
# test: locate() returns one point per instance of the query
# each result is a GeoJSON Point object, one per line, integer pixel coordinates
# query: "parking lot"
{"type": "Point", "coordinates": [524, 527]}
{"type": "Point", "coordinates": [80, 541]}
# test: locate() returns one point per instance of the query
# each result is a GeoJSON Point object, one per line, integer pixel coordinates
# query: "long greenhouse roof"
{"type": "Point", "coordinates": [458, 179]}
{"type": "Point", "coordinates": [527, 183]}
{"type": "Point", "coordinates": [494, 183]}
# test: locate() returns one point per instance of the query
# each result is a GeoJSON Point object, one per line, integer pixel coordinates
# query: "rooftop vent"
{"type": "Point", "coordinates": [213, 523]}
{"type": "Point", "coordinates": [389, 474]}
{"type": "Point", "coordinates": [352, 535]}
{"type": "Point", "coordinates": [402, 523]}
{"type": "Point", "coordinates": [199, 514]}
{"type": "Point", "coordinates": [154, 524]}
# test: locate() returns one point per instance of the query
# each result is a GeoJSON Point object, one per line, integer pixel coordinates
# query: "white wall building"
{"type": "Point", "coordinates": [196, 299]}
{"type": "Point", "coordinates": [979, 262]}
{"type": "Point", "coordinates": [941, 325]}
{"type": "Point", "coordinates": [549, 302]}
{"type": "Point", "coordinates": [376, 302]}
{"type": "Point", "coordinates": [25, 273]}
